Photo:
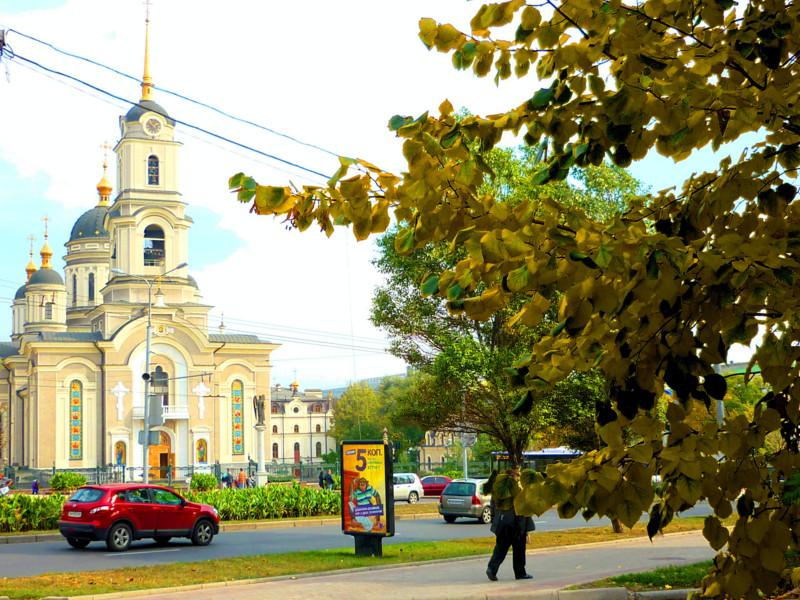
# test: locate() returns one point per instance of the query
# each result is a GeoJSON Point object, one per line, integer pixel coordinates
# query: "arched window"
{"type": "Point", "coordinates": [274, 409]}
{"type": "Point", "coordinates": [159, 385]}
{"type": "Point", "coordinates": [319, 428]}
{"type": "Point", "coordinates": [317, 408]}
{"type": "Point", "coordinates": [274, 450]}
{"type": "Point", "coordinates": [74, 290]}
{"type": "Point", "coordinates": [75, 420]}
{"type": "Point", "coordinates": [274, 429]}
{"type": "Point", "coordinates": [237, 416]}
{"type": "Point", "coordinates": [202, 451]}
{"type": "Point", "coordinates": [153, 246]}
{"type": "Point", "coordinates": [152, 170]}
{"type": "Point", "coordinates": [91, 288]}
{"type": "Point", "coordinates": [318, 450]}
{"type": "Point", "coordinates": [120, 454]}
{"type": "Point", "coordinates": [297, 428]}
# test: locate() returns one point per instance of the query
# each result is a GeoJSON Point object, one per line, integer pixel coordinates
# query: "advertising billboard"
{"type": "Point", "coordinates": [367, 493]}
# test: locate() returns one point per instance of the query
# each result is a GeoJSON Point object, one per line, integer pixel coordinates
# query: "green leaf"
{"type": "Point", "coordinates": [430, 286]}
{"type": "Point", "coordinates": [603, 258]}
{"type": "Point", "coordinates": [449, 138]}
{"type": "Point", "coordinates": [518, 279]}
{"type": "Point", "coordinates": [524, 406]}
{"type": "Point", "coordinates": [541, 98]}
{"type": "Point", "coordinates": [398, 121]}
{"type": "Point", "coordinates": [715, 386]}
{"type": "Point", "coordinates": [404, 242]}
{"type": "Point", "coordinates": [558, 328]}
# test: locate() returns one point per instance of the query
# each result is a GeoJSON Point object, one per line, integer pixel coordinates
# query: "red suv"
{"type": "Point", "coordinates": [121, 513]}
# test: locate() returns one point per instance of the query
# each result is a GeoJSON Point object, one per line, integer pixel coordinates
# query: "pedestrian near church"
{"type": "Point", "coordinates": [321, 479]}
{"type": "Point", "coordinates": [510, 530]}
{"type": "Point", "coordinates": [329, 480]}
{"type": "Point", "coordinates": [242, 479]}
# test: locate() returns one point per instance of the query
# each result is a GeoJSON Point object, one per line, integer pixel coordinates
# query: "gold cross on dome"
{"type": "Point", "coordinates": [105, 147]}
{"type": "Point", "coordinates": [45, 219]}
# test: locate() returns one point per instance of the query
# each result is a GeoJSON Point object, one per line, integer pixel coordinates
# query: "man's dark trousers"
{"type": "Point", "coordinates": [509, 537]}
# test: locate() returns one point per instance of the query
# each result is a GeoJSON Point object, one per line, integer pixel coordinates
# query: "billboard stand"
{"type": "Point", "coordinates": [367, 494]}
{"type": "Point", "coordinates": [368, 545]}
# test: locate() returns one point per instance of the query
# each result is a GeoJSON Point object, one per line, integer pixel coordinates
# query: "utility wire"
{"type": "Point", "coordinates": [176, 94]}
{"type": "Point", "coordinates": [181, 122]}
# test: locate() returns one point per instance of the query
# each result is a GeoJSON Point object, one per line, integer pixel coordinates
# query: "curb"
{"type": "Point", "coordinates": [662, 595]}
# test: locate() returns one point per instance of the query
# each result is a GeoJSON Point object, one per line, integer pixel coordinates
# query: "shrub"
{"type": "Point", "coordinates": [65, 480]}
{"type": "Point", "coordinates": [21, 512]}
{"type": "Point", "coordinates": [270, 502]}
{"type": "Point", "coordinates": [202, 482]}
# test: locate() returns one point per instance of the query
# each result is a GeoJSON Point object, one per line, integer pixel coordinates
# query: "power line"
{"type": "Point", "coordinates": [218, 136]}
{"type": "Point", "coordinates": [176, 94]}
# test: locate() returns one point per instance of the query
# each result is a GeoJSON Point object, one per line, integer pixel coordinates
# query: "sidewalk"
{"type": "Point", "coordinates": [464, 578]}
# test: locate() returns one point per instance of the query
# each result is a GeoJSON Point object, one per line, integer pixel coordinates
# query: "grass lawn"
{"type": "Point", "coordinates": [663, 578]}
{"type": "Point", "coordinates": [270, 565]}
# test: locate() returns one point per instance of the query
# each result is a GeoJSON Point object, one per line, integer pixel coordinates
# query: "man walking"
{"type": "Point", "coordinates": [510, 529]}
{"type": "Point", "coordinates": [329, 480]}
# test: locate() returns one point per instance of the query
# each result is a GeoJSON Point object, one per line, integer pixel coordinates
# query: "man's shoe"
{"type": "Point", "coordinates": [492, 576]}
{"type": "Point", "coordinates": [526, 576]}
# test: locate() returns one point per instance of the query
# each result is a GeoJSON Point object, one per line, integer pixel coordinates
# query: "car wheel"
{"type": "Point", "coordinates": [77, 542]}
{"type": "Point", "coordinates": [119, 538]}
{"type": "Point", "coordinates": [449, 519]}
{"type": "Point", "coordinates": [413, 497]}
{"type": "Point", "coordinates": [486, 515]}
{"type": "Point", "coordinates": [162, 540]}
{"type": "Point", "coordinates": [203, 533]}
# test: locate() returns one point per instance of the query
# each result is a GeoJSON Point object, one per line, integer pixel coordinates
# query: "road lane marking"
{"type": "Point", "coordinates": [136, 553]}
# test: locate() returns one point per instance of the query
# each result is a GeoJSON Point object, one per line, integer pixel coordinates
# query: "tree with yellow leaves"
{"type": "Point", "coordinates": [654, 296]}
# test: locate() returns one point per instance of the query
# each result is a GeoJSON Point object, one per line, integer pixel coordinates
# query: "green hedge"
{"type": "Point", "coordinates": [202, 482]}
{"type": "Point", "coordinates": [65, 480]}
{"type": "Point", "coordinates": [21, 512]}
{"type": "Point", "coordinates": [270, 502]}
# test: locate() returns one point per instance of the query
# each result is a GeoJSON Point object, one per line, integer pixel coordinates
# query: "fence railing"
{"type": "Point", "coordinates": [181, 476]}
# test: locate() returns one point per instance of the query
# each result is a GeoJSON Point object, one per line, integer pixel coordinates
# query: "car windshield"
{"type": "Point", "coordinates": [460, 488]}
{"type": "Point", "coordinates": [87, 495]}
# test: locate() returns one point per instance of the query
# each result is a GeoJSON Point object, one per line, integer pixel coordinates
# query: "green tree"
{"type": "Point", "coordinates": [654, 296]}
{"type": "Point", "coordinates": [358, 415]}
{"type": "Point", "coordinates": [467, 361]}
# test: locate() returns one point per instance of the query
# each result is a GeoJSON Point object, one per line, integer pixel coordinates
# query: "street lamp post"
{"type": "Point", "coordinates": [146, 374]}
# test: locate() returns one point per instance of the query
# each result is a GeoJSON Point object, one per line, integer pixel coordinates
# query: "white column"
{"type": "Point", "coordinates": [261, 473]}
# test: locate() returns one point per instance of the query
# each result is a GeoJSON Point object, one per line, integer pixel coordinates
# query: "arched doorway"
{"type": "Point", "coordinates": [160, 457]}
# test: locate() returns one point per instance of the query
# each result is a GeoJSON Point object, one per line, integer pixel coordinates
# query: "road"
{"type": "Point", "coordinates": [19, 560]}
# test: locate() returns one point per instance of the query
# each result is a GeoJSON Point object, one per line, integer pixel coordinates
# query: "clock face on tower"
{"type": "Point", "coordinates": [152, 126]}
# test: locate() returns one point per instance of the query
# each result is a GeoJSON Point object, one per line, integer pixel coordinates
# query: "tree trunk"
{"type": "Point", "coordinates": [616, 525]}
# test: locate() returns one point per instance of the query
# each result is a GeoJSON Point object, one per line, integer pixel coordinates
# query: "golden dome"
{"type": "Point", "coordinates": [30, 268]}
{"type": "Point", "coordinates": [104, 187]}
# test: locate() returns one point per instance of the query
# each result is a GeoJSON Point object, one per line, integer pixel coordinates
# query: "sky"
{"type": "Point", "coordinates": [327, 73]}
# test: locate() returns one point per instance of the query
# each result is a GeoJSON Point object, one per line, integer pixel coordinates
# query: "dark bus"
{"type": "Point", "coordinates": [536, 459]}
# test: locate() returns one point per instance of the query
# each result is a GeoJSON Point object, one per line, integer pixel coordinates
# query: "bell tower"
{"type": "Point", "coordinates": [147, 222]}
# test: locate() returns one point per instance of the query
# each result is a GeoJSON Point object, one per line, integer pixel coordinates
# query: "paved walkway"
{"type": "Point", "coordinates": [465, 578]}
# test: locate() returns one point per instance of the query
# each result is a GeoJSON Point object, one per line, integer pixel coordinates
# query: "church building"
{"type": "Point", "coordinates": [72, 392]}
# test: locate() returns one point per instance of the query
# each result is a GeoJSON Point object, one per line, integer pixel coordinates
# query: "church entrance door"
{"type": "Point", "coordinates": [161, 458]}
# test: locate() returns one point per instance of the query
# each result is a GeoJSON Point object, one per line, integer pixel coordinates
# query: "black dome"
{"type": "Point", "coordinates": [46, 275]}
{"type": "Point", "coordinates": [90, 224]}
{"type": "Point", "coordinates": [20, 292]}
{"type": "Point", "coordinates": [137, 110]}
